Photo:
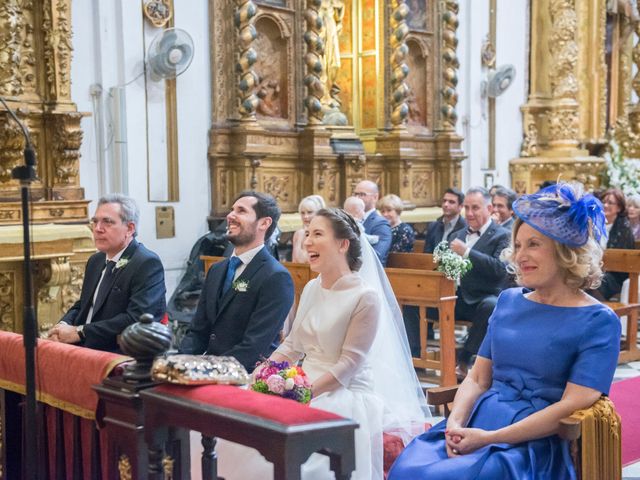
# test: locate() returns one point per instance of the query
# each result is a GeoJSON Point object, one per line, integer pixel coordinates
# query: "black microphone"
{"type": "Point", "coordinates": [26, 172]}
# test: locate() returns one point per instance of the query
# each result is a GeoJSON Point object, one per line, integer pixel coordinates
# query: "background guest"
{"type": "Point", "coordinates": [307, 209]}
{"type": "Point", "coordinates": [620, 236]}
{"type": "Point", "coordinates": [502, 202]}
{"type": "Point", "coordinates": [633, 214]}
{"type": "Point", "coordinates": [402, 234]}
{"type": "Point", "coordinates": [449, 223]}
{"type": "Point", "coordinates": [482, 243]}
{"type": "Point", "coordinates": [374, 223]}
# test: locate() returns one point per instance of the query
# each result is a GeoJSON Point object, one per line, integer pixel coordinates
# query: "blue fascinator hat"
{"type": "Point", "coordinates": [560, 213]}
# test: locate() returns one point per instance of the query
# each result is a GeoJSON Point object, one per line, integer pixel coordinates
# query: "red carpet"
{"type": "Point", "coordinates": [625, 397]}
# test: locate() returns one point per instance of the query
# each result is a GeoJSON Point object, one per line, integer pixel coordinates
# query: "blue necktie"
{"type": "Point", "coordinates": [234, 263]}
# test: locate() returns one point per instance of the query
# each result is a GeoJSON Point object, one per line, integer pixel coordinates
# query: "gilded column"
{"type": "Point", "coordinates": [450, 65]}
{"type": "Point", "coordinates": [399, 69]}
{"type": "Point", "coordinates": [565, 107]}
{"type": "Point", "coordinates": [56, 30]}
{"type": "Point", "coordinates": [563, 114]}
{"type": "Point", "coordinates": [314, 61]}
{"type": "Point", "coordinates": [245, 12]}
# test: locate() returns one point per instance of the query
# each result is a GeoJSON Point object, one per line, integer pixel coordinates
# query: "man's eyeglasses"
{"type": "Point", "coordinates": [106, 222]}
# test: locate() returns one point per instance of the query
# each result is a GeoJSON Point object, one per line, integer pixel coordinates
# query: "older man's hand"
{"type": "Point", "coordinates": [458, 246]}
{"type": "Point", "coordinates": [64, 333]}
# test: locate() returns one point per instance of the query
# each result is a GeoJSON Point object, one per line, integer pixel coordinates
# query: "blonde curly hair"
{"type": "Point", "coordinates": [582, 266]}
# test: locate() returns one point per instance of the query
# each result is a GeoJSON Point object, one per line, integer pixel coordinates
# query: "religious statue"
{"type": "Point", "coordinates": [332, 13]}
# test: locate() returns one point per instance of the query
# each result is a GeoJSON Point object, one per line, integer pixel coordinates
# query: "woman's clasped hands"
{"type": "Point", "coordinates": [460, 441]}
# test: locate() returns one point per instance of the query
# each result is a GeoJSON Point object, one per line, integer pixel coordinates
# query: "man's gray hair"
{"type": "Point", "coordinates": [129, 211]}
{"type": "Point", "coordinates": [482, 191]}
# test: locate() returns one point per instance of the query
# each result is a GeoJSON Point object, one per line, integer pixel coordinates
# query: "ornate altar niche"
{"type": "Point", "coordinates": [312, 96]}
{"type": "Point", "coordinates": [35, 66]}
{"type": "Point", "coordinates": [580, 84]}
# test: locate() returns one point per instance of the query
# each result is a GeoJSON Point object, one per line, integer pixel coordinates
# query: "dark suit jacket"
{"type": "Point", "coordinates": [245, 325]}
{"type": "Point", "coordinates": [436, 230]}
{"type": "Point", "coordinates": [620, 236]}
{"type": "Point", "coordinates": [376, 224]}
{"type": "Point", "coordinates": [488, 274]}
{"type": "Point", "coordinates": [135, 288]}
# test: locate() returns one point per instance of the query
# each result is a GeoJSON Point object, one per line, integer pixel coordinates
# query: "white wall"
{"type": "Point", "coordinates": [108, 51]}
{"type": "Point", "coordinates": [512, 38]}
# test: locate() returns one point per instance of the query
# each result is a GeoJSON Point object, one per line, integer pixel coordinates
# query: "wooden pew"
{"type": "Point", "coordinates": [619, 260]}
{"type": "Point", "coordinates": [418, 246]}
{"type": "Point", "coordinates": [429, 289]}
{"type": "Point", "coordinates": [419, 261]}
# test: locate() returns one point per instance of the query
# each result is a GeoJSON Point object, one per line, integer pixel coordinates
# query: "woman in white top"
{"type": "Point", "coordinates": [354, 348]}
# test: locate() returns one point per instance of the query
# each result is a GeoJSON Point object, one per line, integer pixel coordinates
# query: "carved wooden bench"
{"type": "Point", "coordinates": [286, 433]}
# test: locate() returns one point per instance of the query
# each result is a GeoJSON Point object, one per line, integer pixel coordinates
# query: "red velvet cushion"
{"type": "Point", "coordinates": [269, 407]}
{"type": "Point", "coordinates": [392, 447]}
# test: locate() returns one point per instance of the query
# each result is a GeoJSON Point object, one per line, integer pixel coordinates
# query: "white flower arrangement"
{"type": "Point", "coordinates": [450, 263]}
{"type": "Point", "coordinates": [121, 263]}
{"type": "Point", "coordinates": [622, 173]}
{"type": "Point", "coordinates": [240, 285]}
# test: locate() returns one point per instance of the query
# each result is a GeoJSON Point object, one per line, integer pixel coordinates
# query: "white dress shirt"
{"type": "Point", "coordinates": [245, 258]}
{"type": "Point", "coordinates": [472, 238]}
{"type": "Point", "coordinates": [115, 258]}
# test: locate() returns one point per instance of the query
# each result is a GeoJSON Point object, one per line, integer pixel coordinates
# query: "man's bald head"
{"type": "Point", "coordinates": [354, 206]}
{"type": "Point", "coordinates": [368, 192]}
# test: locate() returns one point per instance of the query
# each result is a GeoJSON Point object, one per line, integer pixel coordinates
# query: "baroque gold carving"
{"type": "Point", "coordinates": [7, 314]}
{"type": "Point", "coordinates": [314, 61]}
{"type": "Point", "coordinates": [563, 124]}
{"type": "Point", "coordinates": [244, 16]}
{"type": "Point", "coordinates": [221, 27]}
{"type": "Point", "coordinates": [277, 186]}
{"type": "Point", "coordinates": [56, 29]}
{"type": "Point", "coordinates": [399, 68]}
{"type": "Point", "coordinates": [124, 468]}
{"type": "Point", "coordinates": [167, 467]}
{"type": "Point", "coordinates": [563, 49]}
{"type": "Point", "coordinates": [421, 185]}
{"type": "Point", "coordinates": [71, 290]}
{"type": "Point", "coordinates": [12, 143]}
{"type": "Point", "coordinates": [65, 147]}
{"type": "Point", "coordinates": [158, 12]}
{"type": "Point", "coordinates": [530, 142]}
{"type": "Point", "coordinates": [450, 64]}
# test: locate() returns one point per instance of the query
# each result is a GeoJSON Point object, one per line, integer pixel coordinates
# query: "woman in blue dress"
{"type": "Point", "coordinates": [550, 349]}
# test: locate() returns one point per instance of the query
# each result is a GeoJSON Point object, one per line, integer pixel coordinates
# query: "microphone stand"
{"type": "Point", "coordinates": [26, 174]}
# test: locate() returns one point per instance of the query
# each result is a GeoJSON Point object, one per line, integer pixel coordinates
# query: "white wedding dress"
{"type": "Point", "coordinates": [353, 330]}
{"type": "Point", "coordinates": [335, 328]}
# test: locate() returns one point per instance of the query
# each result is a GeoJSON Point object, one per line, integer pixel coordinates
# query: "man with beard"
{"type": "Point", "coordinates": [246, 297]}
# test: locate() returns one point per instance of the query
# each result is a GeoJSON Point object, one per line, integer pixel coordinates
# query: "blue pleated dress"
{"type": "Point", "coordinates": [535, 350]}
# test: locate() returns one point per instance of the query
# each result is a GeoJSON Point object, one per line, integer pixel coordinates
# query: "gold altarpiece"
{"type": "Point", "coordinates": [311, 96]}
{"type": "Point", "coordinates": [35, 67]}
{"type": "Point", "coordinates": [582, 53]}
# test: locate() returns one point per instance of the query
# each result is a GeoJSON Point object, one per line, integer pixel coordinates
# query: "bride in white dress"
{"type": "Point", "coordinates": [349, 332]}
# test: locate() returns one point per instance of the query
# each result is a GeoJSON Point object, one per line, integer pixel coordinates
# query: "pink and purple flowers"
{"type": "Point", "coordinates": [278, 378]}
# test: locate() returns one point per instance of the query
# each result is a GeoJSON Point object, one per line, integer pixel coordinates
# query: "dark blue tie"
{"type": "Point", "coordinates": [234, 263]}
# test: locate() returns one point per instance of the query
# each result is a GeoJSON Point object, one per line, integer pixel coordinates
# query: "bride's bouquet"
{"type": "Point", "coordinates": [278, 378]}
{"type": "Point", "coordinates": [450, 263]}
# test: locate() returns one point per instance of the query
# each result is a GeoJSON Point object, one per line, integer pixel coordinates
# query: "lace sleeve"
{"type": "Point", "coordinates": [358, 339]}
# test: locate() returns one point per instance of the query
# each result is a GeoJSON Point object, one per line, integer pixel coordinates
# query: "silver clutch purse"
{"type": "Point", "coordinates": [199, 370]}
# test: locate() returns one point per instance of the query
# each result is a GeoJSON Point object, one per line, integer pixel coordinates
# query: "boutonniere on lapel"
{"type": "Point", "coordinates": [121, 263]}
{"type": "Point", "coordinates": [240, 285]}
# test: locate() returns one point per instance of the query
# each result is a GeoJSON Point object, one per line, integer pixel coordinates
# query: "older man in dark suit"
{"type": "Point", "coordinates": [121, 282]}
{"type": "Point", "coordinates": [375, 225]}
{"type": "Point", "coordinates": [446, 226]}
{"type": "Point", "coordinates": [246, 298]}
{"type": "Point", "coordinates": [482, 243]}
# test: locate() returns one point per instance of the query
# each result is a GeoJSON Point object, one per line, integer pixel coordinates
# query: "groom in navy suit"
{"type": "Point", "coordinates": [121, 282]}
{"type": "Point", "coordinates": [246, 298]}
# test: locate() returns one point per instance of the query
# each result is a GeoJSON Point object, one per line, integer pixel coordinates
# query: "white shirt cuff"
{"type": "Point", "coordinates": [466, 253]}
